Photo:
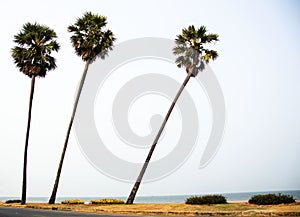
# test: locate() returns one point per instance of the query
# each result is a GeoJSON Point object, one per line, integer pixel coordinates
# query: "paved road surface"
{"type": "Point", "coordinates": [20, 212]}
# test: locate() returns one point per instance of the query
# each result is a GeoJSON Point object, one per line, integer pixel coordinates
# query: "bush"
{"type": "Point", "coordinates": [72, 201]}
{"type": "Point", "coordinates": [13, 201]}
{"type": "Point", "coordinates": [107, 201]}
{"type": "Point", "coordinates": [206, 199]}
{"type": "Point", "coordinates": [271, 199]}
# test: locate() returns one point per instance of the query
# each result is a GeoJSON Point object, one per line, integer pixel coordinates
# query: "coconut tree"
{"type": "Point", "coordinates": [192, 55]}
{"type": "Point", "coordinates": [90, 40]}
{"type": "Point", "coordinates": [32, 55]}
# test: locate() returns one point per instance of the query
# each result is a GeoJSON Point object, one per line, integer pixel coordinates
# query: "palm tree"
{"type": "Point", "coordinates": [32, 56]}
{"type": "Point", "coordinates": [90, 41]}
{"type": "Point", "coordinates": [193, 56]}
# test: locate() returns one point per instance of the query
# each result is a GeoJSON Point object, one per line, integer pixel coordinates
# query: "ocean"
{"type": "Point", "coordinates": [241, 196]}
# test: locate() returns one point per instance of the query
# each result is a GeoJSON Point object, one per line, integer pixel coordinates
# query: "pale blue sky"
{"type": "Point", "coordinates": [258, 70]}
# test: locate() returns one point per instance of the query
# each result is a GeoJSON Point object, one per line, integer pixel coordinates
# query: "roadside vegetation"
{"type": "Point", "coordinates": [107, 201]}
{"type": "Point", "coordinates": [13, 201]}
{"type": "Point", "coordinates": [271, 199]}
{"type": "Point", "coordinates": [206, 199]}
{"type": "Point", "coordinates": [75, 201]}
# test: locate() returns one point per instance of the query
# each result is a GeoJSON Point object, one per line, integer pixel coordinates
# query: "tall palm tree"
{"type": "Point", "coordinates": [90, 41]}
{"type": "Point", "coordinates": [193, 56]}
{"type": "Point", "coordinates": [32, 56]}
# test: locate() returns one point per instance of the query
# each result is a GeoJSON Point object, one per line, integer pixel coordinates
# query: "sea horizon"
{"type": "Point", "coordinates": [231, 197]}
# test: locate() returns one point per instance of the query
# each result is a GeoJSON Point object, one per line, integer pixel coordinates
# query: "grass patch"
{"type": "Point", "coordinates": [178, 209]}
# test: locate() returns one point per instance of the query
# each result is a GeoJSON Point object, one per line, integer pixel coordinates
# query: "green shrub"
{"type": "Point", "coordinates": [206, 199]}
{"type": "Point", "coordinates": [72, 201]}
{"type": "Point", "coordinates": [107, 201]}
{"type": "Point", "coordinates": [271, 199]}
{"type": "Point", "coordinates": [13, 201]}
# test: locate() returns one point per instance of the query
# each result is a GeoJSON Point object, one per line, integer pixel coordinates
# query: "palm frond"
{"type": "Point", "coordinates": [35, 43]}
{"type": "Point", "coordinates": [89, 39]}
{"type": "Point", "coordinates": [190, 48]}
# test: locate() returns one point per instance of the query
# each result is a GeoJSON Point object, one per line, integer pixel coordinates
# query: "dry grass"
{"type": "Point", "coordinates": [236, 209]}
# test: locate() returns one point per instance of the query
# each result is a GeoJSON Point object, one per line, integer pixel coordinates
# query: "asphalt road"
{"type": "Point", "coordinates": [20, 212]}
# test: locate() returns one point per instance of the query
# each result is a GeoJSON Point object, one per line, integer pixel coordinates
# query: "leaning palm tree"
{"type": "Point", "coordinates": [32, 56]}
{"type": "Point", "coordinates": [90, 41]}
{"type": "Point", "coordinates": [193, 56]}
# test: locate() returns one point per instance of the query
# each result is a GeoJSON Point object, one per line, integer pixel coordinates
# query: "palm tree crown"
{"type": "Point", "coordinates": [35, 44]}
{"type": "Point", "coordinates": [89, 39]}
{"type": "Point", "coordinates": [191, 51]}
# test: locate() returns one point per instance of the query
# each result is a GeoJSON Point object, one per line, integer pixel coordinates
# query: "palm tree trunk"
{"type": "Point", "coordinates": [24, 186]}
{"type": "Point", "coordinates": [55, 187]}
{"type": "Point", "coordinates": [143, 170]}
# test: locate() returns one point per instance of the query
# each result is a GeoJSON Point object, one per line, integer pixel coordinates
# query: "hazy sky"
{"type": "Point", "coordinates": [258, 70]}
